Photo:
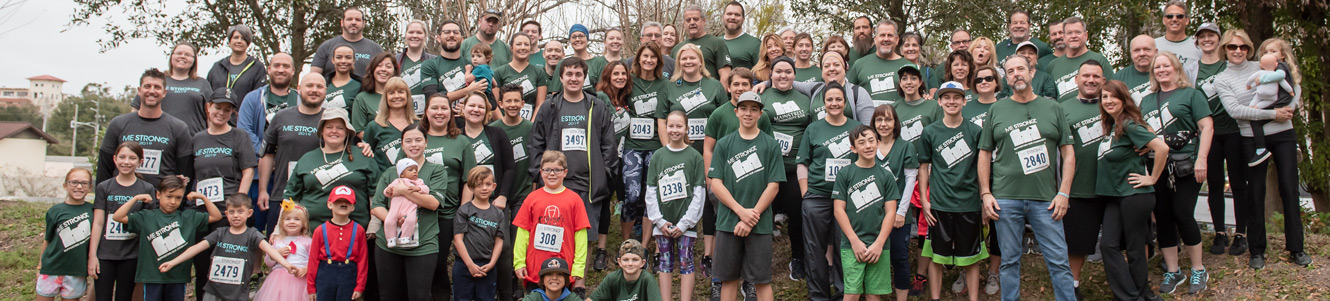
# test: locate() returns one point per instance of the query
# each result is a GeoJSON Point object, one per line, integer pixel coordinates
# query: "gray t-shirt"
{"type": "Point", "coordinates": [165, 141]}
{"type": "Point", "coordinates": [228, 277]}
{"type": "Point", "coordinates": [1187, 52]}
{"type": "Point", "coordinates": [185, 100]}
{"type": "Point", "coordinates": [479, 229]}
{"type": "Point", "coordinates": [364, 48]}
{"type": "Point", "coordinates": [289, 135]}
{"type": "Point", "coordinates": [218, 162]}
{"type": "Point", "coordinates": [117, 243]}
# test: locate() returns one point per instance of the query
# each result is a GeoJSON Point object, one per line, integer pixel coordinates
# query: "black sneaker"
{"type": "Point", "coordinates": [796, 269]}
{"type": "Point", "coordinates": [1239, 245]}
{"type": "Point", "coordinates": [1220, 244]}
{"type": "Point", "coordinates": [715, 291]}
{"type": "Point", "coordinates": [1258, 158]}
{"type": "Point", "coordinates": [1079, 295]}
{"type": "Point", "coordinates": [1256, 262]}
{"type": "Point", "coordinates": [602, 260]}
{"type": "Point", "coordinates": [750, 291]}
{"type": "Point", "coordinates": [1300, 259]}
{"type": "Point", "coordinates": [706, 268]}
{"type": "Point", "coordinates": [1150, 295]}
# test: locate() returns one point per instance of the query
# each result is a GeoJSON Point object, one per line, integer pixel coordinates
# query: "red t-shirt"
{"type": "Point", "coordinates": [553, 221]}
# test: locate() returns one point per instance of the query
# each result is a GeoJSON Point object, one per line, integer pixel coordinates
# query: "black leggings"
{"type": "Point", "coordinates": [709, 215]}
{"type": "Point", "coordinates": [442, 289]}
{"type": "Point", "coordinates": [1127, 228]}
{"type": "Point", "coordinates": [1284, 152]}
{"type": "Point", "coordinates": [116, 279]}
{"type": "Point", "coordinates": [405, 277]}
{"type": "Point", "coordinates": [1175, 210]}
{"type": "Point", "coordinates": [1226, 153]}
{"type": "Point", "coordinates": [790, 202]}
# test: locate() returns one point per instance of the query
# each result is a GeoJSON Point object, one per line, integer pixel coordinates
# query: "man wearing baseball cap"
{"type": "Point", "coordinates": [554, 276]}
{"type": "Point", "coordinates": [487, 31]}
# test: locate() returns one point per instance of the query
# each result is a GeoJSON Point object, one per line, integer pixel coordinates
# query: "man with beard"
{"type": "Point", "coordinates": [651, 33]}
{"type": "Point", "coordinates": [743, 46]}
{"type": "Point", "coordinates": [353, 26]}
{"type": "Point", "coordinates": [1086, 213]}
{"type": "Point", "coordinates": [1058, 45]}
{"type": "Point", "coordinates": [862, 41]}
{"type": "Point", "coordinates": [165, 139]}
{"type": "Point", "coordinates": [488, 30]}
{"type": "Point", "coordinates": [259, 107]}
{"type": "Point", "coordinates": [715, 54]}
{"type": "Point", "coordinates": [446, 73]}
{"type": "Point", "coordinates": [293, 132]}
{"type": "Point", "coordinates": [1065, 69]}
{"type": "Point", "coordinates": [878, 72]}
{"type": "Point", "coordinates": [1137, 76]}
{"type": "Point", "coordinates": [1018, 27]}
{"type": "Point", "coordinates": [532, 28]}
{"type": "Point", "coordinates": [1176, 39]}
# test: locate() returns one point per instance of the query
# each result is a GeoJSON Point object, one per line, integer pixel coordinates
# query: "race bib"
{"type": "Point", "coordinates": [673, 187]}
{"type": "Point", "coordinates": [211, 188]}
{"type": "Point", "coordinates": [833, 167]}
{"type": "Point", "coordinates": [152, 162]}
{"type": "Point", "coordinates": [692, 101]}
{"type": "Point", "coordinates": [116, 231]}
{"type": "Point", "coordinates": [697, 128]}
{"type": "Point", "coordinates": [786, 142]}
{"type": "Point", "coordinates": [455, 82]}
{"type": "Point", "coordinates": [642, 128]}
{"type": "Point", "coordinates": [227, 270]}
{"type": "Point", "coordinates": [166, 243]}
{"type": "Point", "coordinates": [419, 101]}
{"type": "Point", "coordinates": [327, 175]}
{"type": "Point", "coordinates": [482, 152]}
{"type": "Point", "coordinates": [1033, 159]}
{"type": "Point", "coordinates": [526, 111]}
{"type": "Point", "coordinates": [548, 238]}
{"type": "Point", "coordinates": [882, 84]}
{"type": "Point", "coordinates": [574, 139]}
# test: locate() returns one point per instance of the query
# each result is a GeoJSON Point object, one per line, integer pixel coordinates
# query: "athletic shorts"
{"type": "Point", "coordinates": [747, 258]}
{"type": "Point", "coordinates": [67, 287]}
{"type": "Point", "coordinates": [1082, 222]}
{"type": "Point", "coordinates": [866, 278]}
{"type": "Point", "coordinates": [957, 239]}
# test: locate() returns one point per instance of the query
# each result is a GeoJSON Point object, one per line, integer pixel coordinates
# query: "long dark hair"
{"type": "Point", "coordinates": [969, 60]}
{"type": "Point", "coordinates": [133, 147]}
{"type": "Point", "coordinates": [368, 85]}
{"type": "Point", "coordinates": [618, 96]}
{"type": "Point", "coordinates": [1130, 111]}
{"type": "Point", "coordinates": [637, 61]}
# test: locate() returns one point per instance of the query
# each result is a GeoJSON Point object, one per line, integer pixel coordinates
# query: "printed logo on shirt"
{"type": "Point", "coordinates": [745, 163]}
{"type": "Point", "coordinates": [483, 223]}
{"type": "Point", "coordinates": [979, 119]}
{"type": "Point", "coordinates": [212, 152]}
{"type": "Point", "coordinates": [550, 216]}
{"type": "Point", "coordinates": [1160, 119]}
{"type": "Point", "coordinates": [839, 145]}
{"type": "Point", "coordinates": [232, 248]}
{"type": "Point", "coordinates": [786, 111]}
{"type": "Point", "coordinates": [411, 76]}
{"type": "Point", "coordinates": [572, 119]}
{"type": "Point", "coordinates": [300, 130]}
{"type": "Point", "coordinates": [75, 231]}
{"type": "Point", "coordinates": [329, 173]}
{"type": "Point", "coordinates": [954, 150]}
{"type": "Point", "coordinates": [146, 141]}
{"type": "Point", "coordinates": [864, 193]}
{"type": "Point", "coordinates": [182, 89]}
{"type": "Point", "coordinates": [1024, 133]}
{"type": "Point", "coordinates": [1089, 131]}
{"type": "Point", "coordinates": [167, 240]}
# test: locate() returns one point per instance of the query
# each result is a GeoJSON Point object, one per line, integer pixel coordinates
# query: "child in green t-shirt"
{"type": "Point", "coordinates": [63, 271]}
{"type": "Point", "coordinates": [229, 272]}
{"type": "Point", "coordinates": [628, 283]}
{"type": "Point", "coordinates": [872, 192]}
{"type": "Point", "coordinates": [164, 235]}
{"type": "Point", "coordinates": [745, 174]}
{"type": "Point", "coordinates": [675, 198]}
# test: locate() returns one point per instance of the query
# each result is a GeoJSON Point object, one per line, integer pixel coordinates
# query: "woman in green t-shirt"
{"type": "Point", "coordinates": [693, 90]}
{"type": "Point", "coordinates": [447, 147]}
{"type": "Point", "coordinates": [406, 271]}
{"type": "Point", "coordinates": [898, 157]}
{"type": "Point", "coordinates": [382, 67]}
{"type": "Point", "coordinates": [825, 149]}
{"type": "Point", "coordinates": [521, 72]}
{"type": "Point", "coordinates": [336, 162]}
{"type": "Point", "coordinates": [637, 122]}
{"type": "Point", "coordinates": [772, 48]}
{"type": "Point", "coordinates": [343, 84]}
{"type": "Point", "coordinates": [1127, 190]}
{"type": "Point", "coordinates": [394, 114]}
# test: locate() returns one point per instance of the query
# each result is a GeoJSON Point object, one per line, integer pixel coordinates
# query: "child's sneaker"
{"type": "Point", "coordinates": [392, 242]}
{"type": "Point", "coordinates": [750, 291]}
{"type": "Point", "coordinates": [706, 268]}
{"type": "Point", "coordinates": [602, 260]}
{"type": "Point", "coordinates": [1260, 157]}
{"type": "Point", "coordinates": [715, 291]}
{"type": "Point", "coordinates": [918, 284]}
{"type": "Point", "coordinates": [959, 286]}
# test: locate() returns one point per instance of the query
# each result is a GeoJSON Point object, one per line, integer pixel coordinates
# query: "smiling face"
{"type": "Point", "coordinates": [237, 215]}
{"type": "Point", "coordinates": [676, 128]}
{"type": "Point", "coordinates": [833, 67]}
{"type": "Point", "coordinates": [619, 76]}
{"type": "Point", "coordinates": [484, 187]}
{"type": "Point", "coordinates": [531, 30]}
{"type": "Point", "coordinates": [647, 60]}
{"type": "Point", "coordinates": [885, 39]}
{"type": "Point", "coordinates": [885, 124]}
{"type": "Point", "coordinates": [782, 76]}
{"type": "Point", "coordinates": [344, 59]}
{"type": "Point", "coordinates": [774, 48]}
{"type": "Point", "coordinates": [334, 133]}
{"type": "Point", "coordinates": [865, 145]}
{"type": "Point", "coordinates": [614, 41]}
{"type": "Point", "coordinates": [910, 49]}
{"type": "Point", "coordinates": [280, 68]}
{"type": "Point", "coordinates": [910, 83]}
{"type": "Point", "coordinates": [237, 42]}
{"type": "Point", "coordinates": [150, 91]}
{"type": "Point", "coordinates": [1055, 36]}
{"type": "Point", "coordinates": [553, 173]}
{"type": "Point", "coordinates": [1208, 41]}
{"type": "Point", "coordinates": [1176, 19]}
{"type": "Point", "coordinates": [690, 63]}
{"type": "Point", "coordinates": [578, 41]}
{"type": "Point", "coordinates": [415, 35]}
{"type": "Point", "coordinates": [1089, 79]}
{"type": "Point", "coordinates": [384, 70]}
{"type": "Point", "coordinates": [631, 263]}
{"type": "Point", "coordinates": [397, 98]}
{"type": "Point", "coordinates": [1111, 103]}
{"type": "Point", "coordinates": [512, 104]}
{"type": "Point", "coordinates": [748, 113]}
{"type": "Point", "coordinates": [521, 46]}
{"type": "Point", "coordinates": [734, 17]}
{"type": "Point", "coordinates": [985, 81]}
{"type": "Point", "coordinates": [182, 58]}
{"type": "Point", "coordinates": [739, 85]}
{"type": "Point", "coordinates": [960, 70]}
{"type": "Point", "coordinates": [553, 52]}
{"type": "Point", "coordinates": [475, 109]}
{"type": "Point", "coordinates": [554, 281]}
{"type": "Point", "coordinates": [77, 184]}
{"type": "Point", "coordinates": [951, 103]}
{"type": "Point", "coordinates": [1019, 26]}
{"type": "Point", "coordinates": [787, 37]}
{"type": "Point", "coordinates": [450, 37]}
{"type": "Point", "coordinates": [669, 36]}
{"type": "Point", "coordinates": [312, 89]}
{"type": "Point", "coordinates": [438, 112]}
{"type": "Point", "coordinates": [126, 161]}
{"type": "Point", "coordinates": [1163, 70]}
{"type": "Point", "coordinates": [219, 114]}
{"type": "Point", "coordinates": [413, 144]}
{"type": "Point", "coordinates": [834, 102]}
{"type": "Point", "coordinates": [294, 224]}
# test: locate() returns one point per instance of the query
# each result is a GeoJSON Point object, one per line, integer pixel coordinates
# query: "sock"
{"type": "Point", "coordinates": [1076, 283]}
{"type": "Point", "coordinates": [1260, 150]}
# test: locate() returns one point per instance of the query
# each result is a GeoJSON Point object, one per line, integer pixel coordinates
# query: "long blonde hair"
{"type": "Point", "coordinates": [763, 66]}
{"type": "Point", "coordinates": [1289, 58]}
{"type": "Point", "coordinates": [987, 43]}
{"type": "Point", "coordinates": [290, 208]}
{"type": "Point", "coordinates": [1179, 78]}
{"type": "Point", "coordinates": [395, 84]}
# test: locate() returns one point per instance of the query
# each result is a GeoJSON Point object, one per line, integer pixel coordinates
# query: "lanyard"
{"type": "Point", "coordinates": [327, 249]}
{"type": "Point", "coordinates": [231, 81]}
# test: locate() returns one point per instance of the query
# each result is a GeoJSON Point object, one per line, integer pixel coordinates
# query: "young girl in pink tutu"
{"type": "Point", "coordinates": [292, 240]}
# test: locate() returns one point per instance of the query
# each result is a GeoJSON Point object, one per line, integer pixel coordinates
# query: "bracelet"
{"type": "Point", "coordinates": [1064, 194]}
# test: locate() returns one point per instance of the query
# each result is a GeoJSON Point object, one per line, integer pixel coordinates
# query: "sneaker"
{"type": "Point", "coordinates": [1239, 245]}
{"type": "Point", "coordinates": [959, 286]}
{"type": "Point", "coordinates": [1220, 245]}
{"type": "Point", "coordinates": [706, 268]}
{"type": "Point", "coordinates": [1300, 259]}
{"type": "Point", "coordinates": [750, 291]}
{"type": "Point", "coordinates": [1079, 295]}
{"type": "Point", "coordinates": [1256, 262]}
{"type": "Point", "coordinates": [1199, 281]}
{"type": "Point", "coordinates": [1260, 157]}
{"type": "Point", "coordinates": [715, 291]}
{"type": "Point", "coordinates": [1171, 281]}
{"type": "Point", "coordinates": [993, 284]}
{"type": "Point", "coordinates": [780, 218]}
{"type": "Point", "coordinates": [918, 284]}
{"type": "Point", "coordinates": [1149, 295]}
{"type": "Point", "coordinates": [602, 260]}
{"type": "Point", "coordinates": [796, 269]}
{"type": "Point", "coordinates": [392, 243]}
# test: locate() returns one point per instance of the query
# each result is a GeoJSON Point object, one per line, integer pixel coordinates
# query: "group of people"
{"type": "Point", "coordinates": [512, 156]}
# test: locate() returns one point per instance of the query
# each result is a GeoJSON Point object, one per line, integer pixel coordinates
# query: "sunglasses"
{"type": "Point", "coordinates": [989, 78]}
{"type": "Point", "coordinates": [1232, 47]}
{"type": "Point", "coordinates": [1175, 16]}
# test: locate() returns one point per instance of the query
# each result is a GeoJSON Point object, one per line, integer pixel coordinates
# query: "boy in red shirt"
{"type": "Point", "coordinates": [337, 263]}
{"type": "Point", "coordinates": [552, 223]}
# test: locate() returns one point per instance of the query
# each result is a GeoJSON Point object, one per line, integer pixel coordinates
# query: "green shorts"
{"type": "Point", "coordinates": [866, 278]}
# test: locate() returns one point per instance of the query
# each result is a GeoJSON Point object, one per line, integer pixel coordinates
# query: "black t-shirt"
{"type": "Point", "coordinates": [117, 243]}
{"type": "Point", "coordinates": [218, 162]}
{"type": "Point", "coordinates": [290, 134]}
{"type": "Point", "coordinates": [228, 277]}
{"type": "Point", "coordinates": [165, 141]}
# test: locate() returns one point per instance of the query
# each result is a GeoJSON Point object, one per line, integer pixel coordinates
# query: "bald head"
{"type": "Point", "coordinates": [1142, 52]}
{"type": "Point", "coordinates": [312, 90]}
{"type": "Point", "coordinates": [280, 70]}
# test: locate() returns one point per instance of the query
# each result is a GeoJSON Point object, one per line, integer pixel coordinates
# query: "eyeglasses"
{"type": "Point", "coordinates": [78, 183]}
{"type": "Point", "coordinates": [552, 170]}
{"type": "Point", "coordinates": [1232, 47]}
{"type": "Point", "coordinates": [989, 78]}
{"type": "Point", "coordinates": [1175, 16]}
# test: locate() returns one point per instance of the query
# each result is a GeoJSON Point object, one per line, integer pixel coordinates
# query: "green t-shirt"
{"type": "Point", "coordinates": [1205, 80]}
{"type": "Point", "coordinates": [1087, 131]}
{"type": "Point", "coordinates": [697, 100]}
{"type": "Point", "coordinates": [68, 231]}
{"type": "Point", "coordinates": [427, 221]}
{"type": "Point", "coordinates": [1064, 70]}
{"type": "Point", "coordinates": [452, 154]}
{"type": "Point", "coordinates": [317, 173]}
{"type": "Point", "coordinates": [162, 237]}
{"type": "Point", "coordinates": [500, 54]}
{"type": "Point", "coordinates": [745, 167]}
{"type": "Point", "coordinates": [645, 105]}
{"type": "Point", "coordinates": [1044, 61]}
{"type": "Point", "coordinates": [530, 78]}
{"type": "Point", "coordinates": [675, 174]}
{"type": "Point", "coordinates": [723, 121]}
{"type": "Point", "coordinates": [715, 54]}
{"type": "Point", "coordinates": [364, 109]}
{"type": "Point", "coordinates": [342, 97]}
{"type": "Point", "coordinates": [866, 193]}
{"type": "Point", "coordinates": [915, 115]}
{"type": "Point", "coordinates": [614, 287]}
{"type": "Point", "coordinates": [1180, 113]}
{"type": "Point", "coordinates": [1024, 139]}
{"type": "Point", "coordinates": [482, 153]}
{"type": "Point", "coordinates": [878, 75]}
{"type": "Point", "coordinates": [1006, 48]}
{"type": "Point", "coordinates": [952, 178]}
{"type": "Point", "coordinates": [810, 74]}
{"type": "Point", "coordinates": [517, 136]}
{"type": "Point", "coordinates": [1117, 158]}
{"type": "Point", "coordinates": [385, 142]}
{"type": "Point", "coordinates": [855, 56]}
{"type": "Point", "coordinates": [448, 74]}
{"type": "Point", "coordinates": [790, 115]}
{"type": "Point", "coordinates": [1138, 82]}
{"type": "Point", "coordinates": [826, 149]}
{"type": "Point", "coordinates": [593, 68]}
{"type": "Point", "coordinates": [412, 73]}
{"type": "Point", "coordinates": [903, 155]}
{"type": "Point", "coordinates": [975, 112]}
{"type": "Point", "coordinates": [744, 50]}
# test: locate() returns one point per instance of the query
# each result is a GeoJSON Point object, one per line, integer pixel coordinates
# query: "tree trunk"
{"type": "Point", "coordinates": [299, 50]}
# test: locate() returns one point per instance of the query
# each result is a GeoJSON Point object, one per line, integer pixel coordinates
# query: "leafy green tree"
{"type": "Point", "coordinates": [27, 114]}
{"type": "Point", "coordinates": [92, 99]}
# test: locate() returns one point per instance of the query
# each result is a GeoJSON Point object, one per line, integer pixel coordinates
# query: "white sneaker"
{"type": "Point", "coordinates": [392, 242]}
{"type": "Point", "coordinates": [994, 284]}
{"type": "Point", "coordinates": [959, 285]}
{"type": "Point", "coordinates": [780, 218]}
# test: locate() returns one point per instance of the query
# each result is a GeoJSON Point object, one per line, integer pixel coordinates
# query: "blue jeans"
{"type": "Point", "coordinates": [1050, 236]}
{"type": "Point", "coordinates": [466, 288]}
{"type": "Point", "coordinates": [164, 292]}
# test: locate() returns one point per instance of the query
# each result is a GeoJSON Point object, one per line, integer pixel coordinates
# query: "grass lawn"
{"type": "Point", "coordinates": [1230, 279]}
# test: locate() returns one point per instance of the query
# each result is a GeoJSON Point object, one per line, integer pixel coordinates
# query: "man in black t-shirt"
{"type": "Point", "coordinates": [165, 139]}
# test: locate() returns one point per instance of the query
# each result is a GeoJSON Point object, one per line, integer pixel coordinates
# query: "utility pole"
{"type": "Point", "coordinates": [74, 124]}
